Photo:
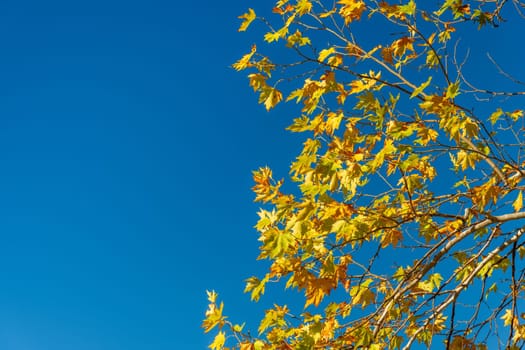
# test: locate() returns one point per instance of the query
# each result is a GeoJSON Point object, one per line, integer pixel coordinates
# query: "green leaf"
{"type": "Point", "coordinates": [408, 9]}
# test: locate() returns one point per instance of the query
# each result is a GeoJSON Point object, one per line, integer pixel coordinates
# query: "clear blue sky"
{"type": "Point", "coordinates": [126, 150]}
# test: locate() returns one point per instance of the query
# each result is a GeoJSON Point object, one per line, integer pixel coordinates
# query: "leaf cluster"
{"type": "Point", "coordinates": [405, 226]}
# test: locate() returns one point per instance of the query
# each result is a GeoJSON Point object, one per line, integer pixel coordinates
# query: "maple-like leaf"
{"type": "Point", "coordinates": [218, 342]}
{"type": "Point", "coordinates": [303, 7]}
{"type": "Point", "coordinates": [256, 287]}
{"type": "Point", "coordinates": [391, 237]}
{"type": "Point", "coordinates": [244, 62]}
{"type": "Point", "coordinates": [401, 46]}
{"type": "Point", "coordinates": [508, 317]}
{"type": "Point", "coordinates": [325, 53]}
{"type": "Point", "coordinates": [270, 97]}
{"type": "Point", "coordinates": [298, 39]}
{"type": "Point", "coordinates": [362, 295]}
{"type": "Point", "coordinates": [247, 18]}
{"type": "Point", "coordinates": [452, 91]}
{"type": "Point", "coordinates": [272, 36]}
{"type": "Point", "coordinates": [214, 317]}
{"type": "Point", "coordinates": [351, 10]}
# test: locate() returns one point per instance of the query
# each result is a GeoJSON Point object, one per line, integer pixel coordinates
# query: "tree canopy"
{"type": "Point", "coordinates": [401, 221]}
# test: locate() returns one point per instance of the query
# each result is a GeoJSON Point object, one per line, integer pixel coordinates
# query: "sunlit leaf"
{"type": "Point", "coordinates": [518, 202]}
{"type": "Point", "coordinates": [351, 10]}
{"type": "Point", "coordinates": [218, 342]}
{"type": "Point", "coordinates": [421, 87]}
{"type": "Point", "coordinates": [247, 18]}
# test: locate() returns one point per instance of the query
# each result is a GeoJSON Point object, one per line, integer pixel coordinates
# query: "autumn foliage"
{"type": "Point", "coordinates": [406, 225]}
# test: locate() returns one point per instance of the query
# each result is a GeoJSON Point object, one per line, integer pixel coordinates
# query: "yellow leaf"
{"type": "Point", "coordinates": [401, 46]}
{"type": "Point", "coordinates": [258, 345]}
{"type": "Point", "coordinates": [327, 14]}
{"type": "Point", "coordinates": [244, 62]}
{"type": "Point", "coordinates": [452, 91]}
{"type": "Point", "coordinates": [333, 120]}
{"type": "Point", "coordinates": [297, 39]}
{"type": "Point", "coordinates": [444, 35]}
{"type": "Point", "coordinates": [272, 317]}
{"type": "Point", "coordinates": [495, 116]}
{"type": "Point", "coordinates": [297, 94]}
{"type": "Point", "coordinates": [314, 296]}
{"type": "Point", "coordinates": [507, 318]}
{"type": "Point", "coordinates": [336, 60]}
{"type": "Point", "coordinates": [351, 10]}
{"type": "Point", "coordinates": [256, 287]}
{"type": "Point", "coordinates": [426, 135]}
{"type": "Point", "coordinates": [303, 7]}
{"type": "Point", "coordinates": [246, 346]}
{"type": "Point", "coordinates": [470, 128]}
{"type": "Point", "coordinates": [409, 9]}
{"type": "Point", "coordinates": [248, 19]}
{"type": "Point", "coordinates": [425, 286]}
{"type": "Point", "coordinates": [279, 34]}
{"type": "Point", "coordinates": [360, 85]}
{"type": "Point", "coordinates": [257, 81]}
{"type": "Point", "coordinates": [218, 342]}
{"type": "Point", "coordinates": [516, 114]}
{"type": "Point", "coordinates": [238, 327]}
{"type": "Point", "coordinates": [398, 11]}
{"type": "Point", "coordinates": [465, 160]}
{"type": "Point", "coordinates": [214, 315]}
{"type": "Point", "coordinates": [271, 37]}
{"type": "Point", "coordinates": [391, 237]}
{"type": "Point", "coordinates": [521, 251]}
{"type": "Point", "coordinates": [270, 97]}
{"type": "Point", "coordinates": [212, 296]}
{"type": "Point", "coordinates": [432, 59]}
{"type": "Point", "coordinates": [518, 203]}
{"type": "Point", "coordinates": [422, 87]}
{"type": "Point", "coordinates": [362, 295]}
{"type": "Point", "coordinates": [325, 53]}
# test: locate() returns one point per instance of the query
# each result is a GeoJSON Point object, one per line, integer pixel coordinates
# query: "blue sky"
{"type": "Point", "coordinates": [126, 149]}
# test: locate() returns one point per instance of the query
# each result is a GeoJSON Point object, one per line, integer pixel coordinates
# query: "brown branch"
{"type": "Point", "coordinates": [402, 289]}
{"type": "Point", "coordinates": [463, 285]}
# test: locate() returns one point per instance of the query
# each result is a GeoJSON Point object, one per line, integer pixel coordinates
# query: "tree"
{"type": "Point", "coordinates": [405, 226]}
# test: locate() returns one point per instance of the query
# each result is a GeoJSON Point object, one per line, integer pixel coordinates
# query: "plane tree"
{"type": "Point", "coordinates": [401, 220]}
